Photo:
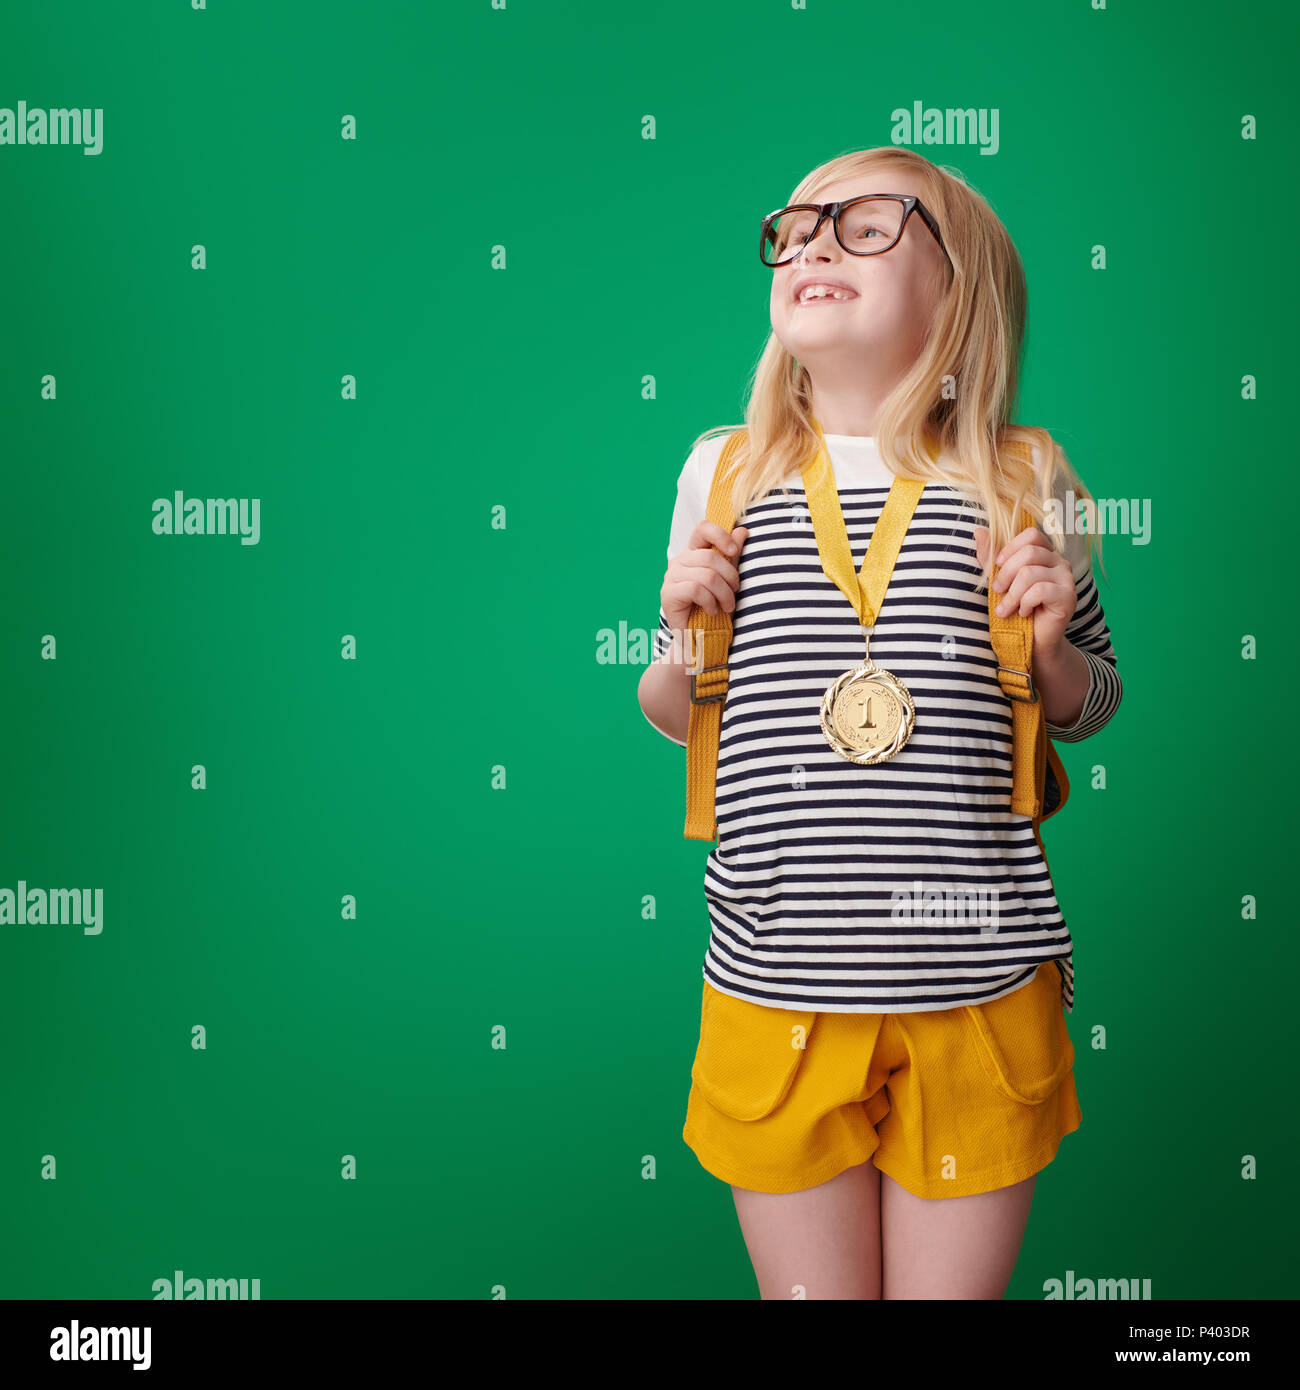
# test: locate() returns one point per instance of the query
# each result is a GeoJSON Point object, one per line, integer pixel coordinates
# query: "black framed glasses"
{"type": "Point", "coordinates": [865, 226]}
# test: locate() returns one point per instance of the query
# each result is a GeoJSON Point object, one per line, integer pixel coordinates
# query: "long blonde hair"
{"type": "Point", "coordinates": [962, 436]}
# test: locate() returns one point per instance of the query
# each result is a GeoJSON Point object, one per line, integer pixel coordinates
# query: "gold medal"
{"type": "Point", "coordinates": [867, 713]}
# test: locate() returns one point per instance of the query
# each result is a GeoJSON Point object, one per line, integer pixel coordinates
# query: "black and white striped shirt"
{"type": "Point", "coordinates": [911, 884]}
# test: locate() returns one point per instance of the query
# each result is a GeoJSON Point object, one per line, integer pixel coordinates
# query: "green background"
{"type": "Point", "coordinates": [478, 647]}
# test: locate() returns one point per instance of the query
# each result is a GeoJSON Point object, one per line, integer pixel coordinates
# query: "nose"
{"type": "Point", "coordinates": [822, 242]}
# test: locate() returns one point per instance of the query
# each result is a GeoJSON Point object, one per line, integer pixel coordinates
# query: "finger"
{"type": "Point", "coordinates": [710, 559]}
{"type": "Point", "coordinates": [704, 587]}
{"type": "Point", "coordinates": [707, 533]}
{"type": "Point", "coordinates": [1024, 576]}
{"type": "Point", "coordinates": [1021, 538]}
{"type": "Point", "coordinates": [1024, 549]}
{"type": "Point", "coordinates": [1037, 580]}
{"type": "Point", "coordinates": [1041, 595]}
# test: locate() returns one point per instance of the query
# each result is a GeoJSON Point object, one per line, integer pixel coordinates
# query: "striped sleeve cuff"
{"type": "Point", "coordinates": [1099, 704]}
{"type": "Point", "coordinates": [663, 639]}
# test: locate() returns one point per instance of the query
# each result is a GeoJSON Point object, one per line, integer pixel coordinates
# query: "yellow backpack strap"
{"type": "Point", "coordinates": [1012, 638]}
{"type": "Point", "coordinates": [711, 640]}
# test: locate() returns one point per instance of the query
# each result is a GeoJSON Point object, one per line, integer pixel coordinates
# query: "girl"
{"type": "Point", "coordinates": [883, 1063]}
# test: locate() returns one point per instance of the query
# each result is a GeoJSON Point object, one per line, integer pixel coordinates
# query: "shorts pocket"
{"type": "Point", "coordinates": [1024, 1044]}
{"type": "Point", "coordinates": [748, 1053]}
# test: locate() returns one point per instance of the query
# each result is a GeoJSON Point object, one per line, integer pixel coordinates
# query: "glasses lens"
{"type": "Point", "coordinates": [867, 228]}
{"type": "Point", "coordinates": [786, 234]}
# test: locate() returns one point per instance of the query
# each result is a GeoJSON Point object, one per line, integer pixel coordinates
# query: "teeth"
{"type": "Point", "coordinates": [820, 292]}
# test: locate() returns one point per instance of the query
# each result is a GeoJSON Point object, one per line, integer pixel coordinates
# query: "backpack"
{"type": "Point", "coordinates": [1039, 784]}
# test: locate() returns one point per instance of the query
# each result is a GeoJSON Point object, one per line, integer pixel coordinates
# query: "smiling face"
{"type": "Point", "coordinates": [867, 329]}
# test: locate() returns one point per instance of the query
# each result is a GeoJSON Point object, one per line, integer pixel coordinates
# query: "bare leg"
{"type": "Point", "coordinates": [951, 1247]}
{"type": "Point", "coordinates": [823, 1242]}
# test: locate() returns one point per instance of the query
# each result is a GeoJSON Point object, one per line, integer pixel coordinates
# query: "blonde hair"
{"type": "Point", "coordinates": [964, 440]}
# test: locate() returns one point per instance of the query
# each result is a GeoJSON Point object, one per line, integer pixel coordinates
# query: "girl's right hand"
{"type": "Point", "coordinates": [704, 573]}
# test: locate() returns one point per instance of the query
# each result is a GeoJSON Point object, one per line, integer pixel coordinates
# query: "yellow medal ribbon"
{"type": "Point", "coordinates": [867, 714]}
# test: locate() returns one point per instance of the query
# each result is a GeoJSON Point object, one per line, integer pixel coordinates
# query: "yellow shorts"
{"type": "Point", "coordinates": [948, 1102]}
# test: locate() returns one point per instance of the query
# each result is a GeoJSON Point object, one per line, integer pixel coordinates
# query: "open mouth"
{"type": "Point", "coordinates": [823, 295]}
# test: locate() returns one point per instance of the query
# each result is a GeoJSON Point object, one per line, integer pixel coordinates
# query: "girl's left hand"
{"type": "Point", "coordinates": [1035, 579]}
